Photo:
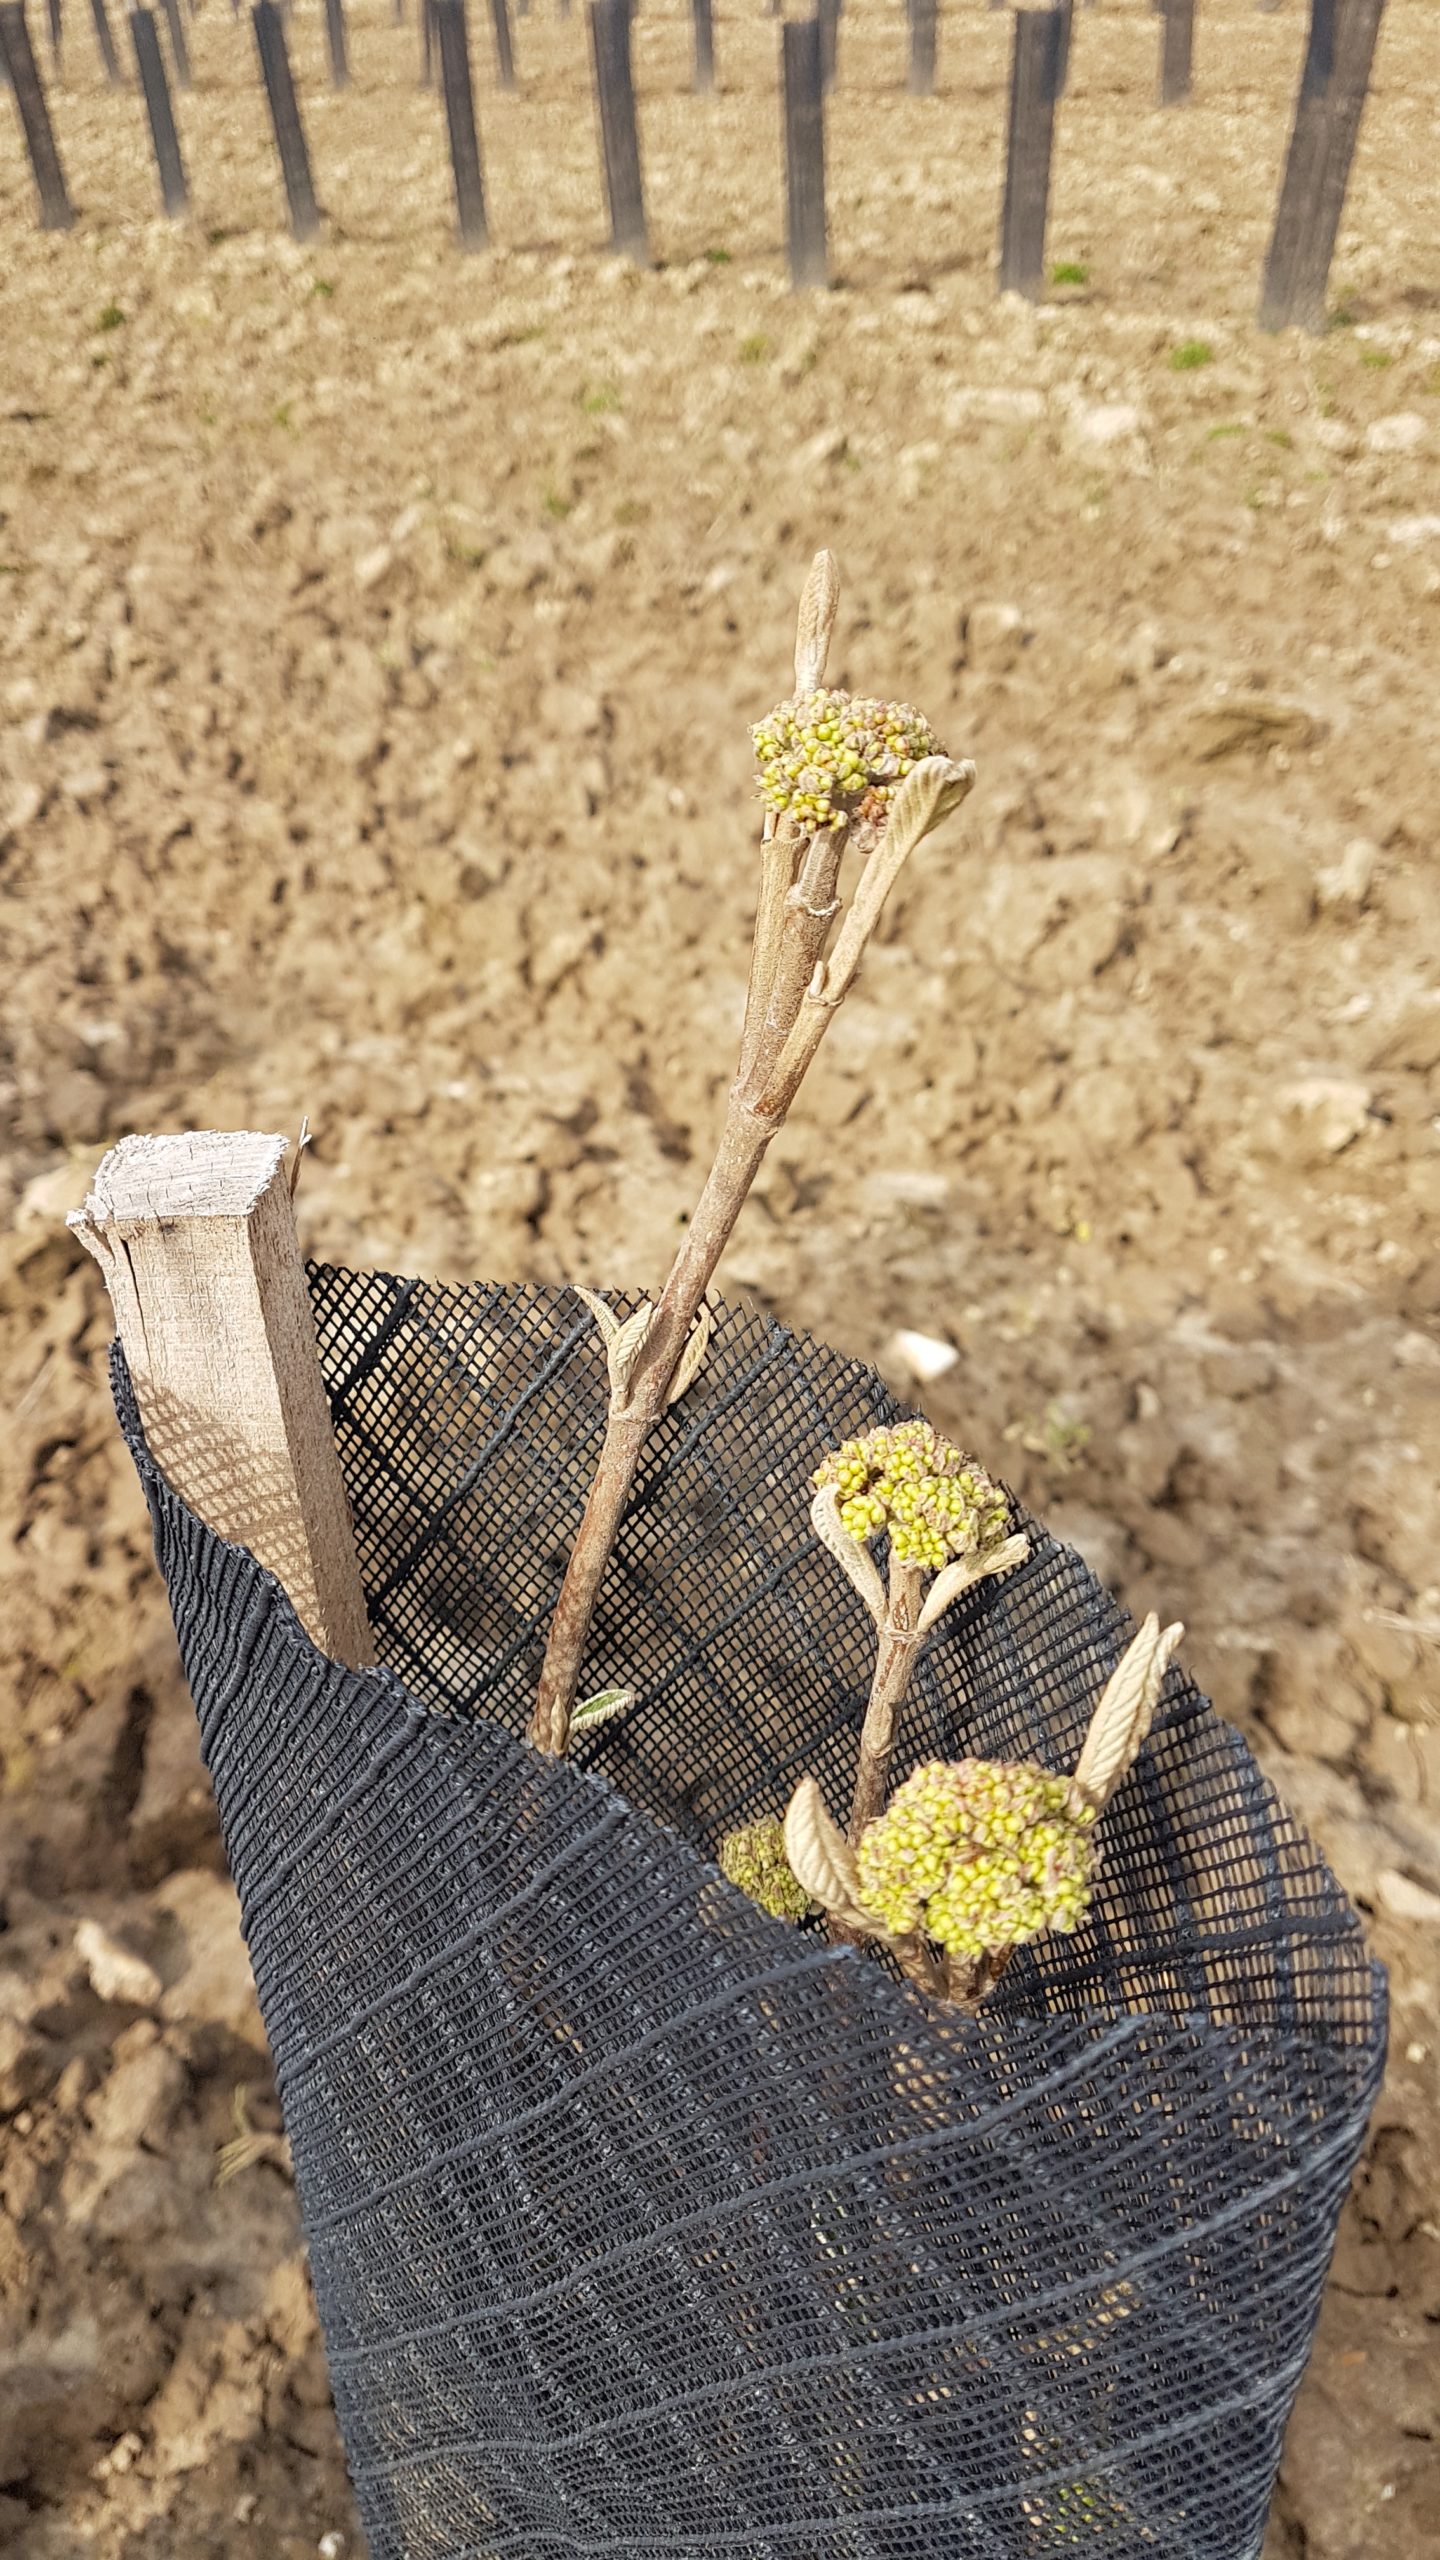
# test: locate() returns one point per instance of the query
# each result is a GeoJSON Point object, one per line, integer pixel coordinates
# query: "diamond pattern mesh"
{"type": "Point", "coordinates": [642, 2224]}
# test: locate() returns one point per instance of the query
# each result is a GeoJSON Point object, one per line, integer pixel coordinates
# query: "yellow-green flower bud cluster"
{"type": "Point", "coordinates": [826, 757]}
{"type": "Point", "coordinates": [753, 1856]}
{"type": "Point", "coordinates": [979, 1855]}
{"type": "Point", "coordinates": [931, 1500]}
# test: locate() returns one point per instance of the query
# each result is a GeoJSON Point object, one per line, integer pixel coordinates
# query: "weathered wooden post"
{"type": "Point", "coordinates": [1319, 49]}
{"type": "Point", "coordinates": [1177, 46]}
{"type": "Point", "coordinates": [196, 1239]}
{"type": "Point", "coordinates": [105, 45]}
{"type": "Point", "coordinates": [704, 18]}
{"type": "Point", "coordinates": [504, 45]}
{"type": "Point", "coordinates": [337, 44]}
{"type": "Point", "coordinates": [920, 79]}
{"type": "Point", "coordinates": [619, 134]}
{"type": "Point", "coordinates": [150, 63]}
{"type": "Point", "coordinates": [1331, 102]}
{"type": "Point", "coordinates": [56, 211]}
{"type": "Point", "coordinates": [179, 43]}
{"type": "Point", "coordinates": [289, 132]}
{"type": "Point", "coordinates": [1062, 72]}
{"type": "Point", "coordinates": [453, 37]}
{"type": "Point", "coordinates": [828, 13]}
{"type": "Point", "coordinates": [1034, 88]}
{"type": "Point", "coordinates": [803, 86]}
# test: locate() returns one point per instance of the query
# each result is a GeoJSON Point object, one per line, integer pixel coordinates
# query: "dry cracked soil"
{"type": "Point", "coordinates": [379, 630]}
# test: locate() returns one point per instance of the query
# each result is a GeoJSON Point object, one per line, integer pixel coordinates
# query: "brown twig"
{"type": "Point", "coordinates": [894, 1661]}
{"type": "Point", "coordinates": [797, 909]}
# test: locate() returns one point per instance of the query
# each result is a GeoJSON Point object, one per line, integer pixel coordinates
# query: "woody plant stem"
{"type": "Point", "coordinates": [894, 1661]}
{"type": "Point", "coordinates": [793, 993]}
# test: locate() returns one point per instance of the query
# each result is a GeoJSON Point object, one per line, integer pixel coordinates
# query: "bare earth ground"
{"type": "Point", "coordinates": [379, 635]}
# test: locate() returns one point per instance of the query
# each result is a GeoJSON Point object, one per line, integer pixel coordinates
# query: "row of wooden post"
{"type": "Point", "coordinates": [1331, 100]}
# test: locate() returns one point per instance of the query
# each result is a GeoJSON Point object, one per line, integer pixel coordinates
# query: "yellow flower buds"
{"type": "Point", "coordinates": [979, 1855]}
{"type": "Point", "coordinates": [753, 1857]}
{"type": "Point", "coordinates": [932, 1501]}
{"type": "Point", "coordinates": [828, 757]}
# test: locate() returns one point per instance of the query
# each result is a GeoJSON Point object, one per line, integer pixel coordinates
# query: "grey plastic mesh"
{"type": "Point", "coordinates": [643, 2224]}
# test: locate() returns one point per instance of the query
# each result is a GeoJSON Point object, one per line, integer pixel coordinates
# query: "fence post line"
{"type": "Point", "coordinates": [56, 211]}
{"type": "Point", "coordinates": [804, 110]}
{"type": "Point", "coordinates": [504, 45]}
{"type": "Point", "coordinates": [453, 39]}
{"type": "Point", "coordinates": [285, 119]}
{"type": "Point", "coordinates": [196, 1238]}
{"type": "Point", "coordinates": [337, 44]}
{"type": "Point", "coordinates": [150, 63]}
{"type": "Point", "coordinates": [920, 79]}
{"type": "Point", "coordinates": [1317, 173]}
{"type": "Point", "coordinates": [179, 46]}
{"type": "Point", "coordinates": [54, 11]}
{"type": "Point", "coordinates": [427, 45]}
{"type": "Point", "coordinates": [619, 135]}
{"type": "Point", "coordinates": [1034, 76]}
{"type": "Point", "coordinates": [704, 17]}
{"type": "Point", "coordinates": [1177, 47]}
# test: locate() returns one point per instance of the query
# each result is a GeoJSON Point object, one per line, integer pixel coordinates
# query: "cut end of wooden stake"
{"type": "Point", "coordinates": [198, 1173]}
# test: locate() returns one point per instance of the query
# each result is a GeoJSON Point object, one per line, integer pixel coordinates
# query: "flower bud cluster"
{"type": "Point", "coordinates": [979, 1855]}
{"type": "Point", "coordinates": [753, 1857]}
{"type": "Point", "coordinates": [931, 1500]}
{"type": "Point", "coordinates": [828, 757]}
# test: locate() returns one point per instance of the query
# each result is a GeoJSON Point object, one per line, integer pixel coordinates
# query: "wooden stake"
{"type": "Point", "coordinates": [338, 44]}
{"type": "Point", "coordinates": [105, 43]}
{"type": "Point", "coordinates": [619, 135]}
{"type": "Point", "coordinates": [56, 211]}
{"type": "Point", "coordinates": [1034, 87]}
{"type": "Point", "coordinates": [704, 18]}
{"type": "Point", "coordinates": [1319, 49]}
{"type": "Point", "coordinates": [285, 120]}
{"type": "Point", "coordinates": [828, 13]}
{"type": "Point", "coordinates": [150, 63]}
{"type": "Point", "coordinates": [1177, 46]}
{"type": "Point", "coordinates": [921, 80]}
{"type": "Point", "coordinates": [1067, 29]}
{"type": "Point", "coordinates": [1317, 169]}
{"type": "Point", "coordinates": [454, 42]}
{"type": "Point", "coordinates": [179, 43]}
{"type": "Point", "coordinates": [804, 99]}
{"type": "Point", "coordinates": [504, 44]}
{"type": "Point", "coordinates": [196, 1238]}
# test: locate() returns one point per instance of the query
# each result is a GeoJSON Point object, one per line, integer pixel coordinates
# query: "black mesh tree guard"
{"type": "Point", "coordinates": [643, 2225]}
